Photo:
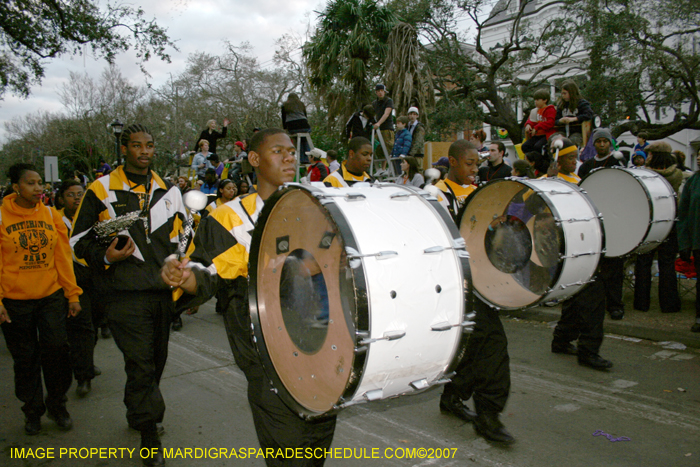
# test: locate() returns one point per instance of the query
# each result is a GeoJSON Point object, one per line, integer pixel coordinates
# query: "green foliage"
{"type": "Point", "coordinates": [32, 31]}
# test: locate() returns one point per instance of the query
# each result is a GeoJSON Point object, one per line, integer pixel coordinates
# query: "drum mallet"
{"type": "Point", "coordinates": [558, 144]}
{"type": "Point", "coordinates": [194, 200]}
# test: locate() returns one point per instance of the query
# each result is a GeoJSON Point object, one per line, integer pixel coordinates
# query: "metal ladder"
{"type": "Point", "coordinates": [384, 157]}
{"type": "Point", "coordinates": [299, 137]}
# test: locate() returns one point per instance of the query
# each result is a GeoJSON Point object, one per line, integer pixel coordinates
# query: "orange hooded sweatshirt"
{"type": "Point", "coordinates": [35, 256]}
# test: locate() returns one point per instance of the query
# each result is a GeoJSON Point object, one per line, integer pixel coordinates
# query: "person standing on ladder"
{"type": "Point", "coordinates": [383, 106]}
{"type": "Point", "coordinates": [294, 121]}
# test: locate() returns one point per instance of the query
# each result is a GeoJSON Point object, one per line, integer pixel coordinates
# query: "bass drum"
{"type": "Point", "coordinates": [530, 241]}
{"type": "Point", "coordinates": [638, 205]}
{"type": "Point", "coordinates": [356, 294]}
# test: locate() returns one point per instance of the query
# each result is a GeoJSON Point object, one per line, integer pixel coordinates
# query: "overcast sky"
{"type": "Point", "coordinates": [195, 25]}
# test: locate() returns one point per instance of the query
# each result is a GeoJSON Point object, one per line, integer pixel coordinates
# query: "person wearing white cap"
{"type": "Point", "coordinates": [317, 170]}
{"type": "Point", "coordinates": [417, 130]}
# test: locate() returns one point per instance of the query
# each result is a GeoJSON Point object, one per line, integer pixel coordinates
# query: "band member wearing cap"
{"type": "Point", "coordinates": [484, 371]}
{"type": "Point", "coordinates": [139, 306]}
{"type": "Point", "coordinates": [219, 259]}
{"type": "Point", "coordinates": [613, 272]}
{"type": "Point", "coordinates": [354, 169]}
{"type": "Point", "coordinates": [496, 168]}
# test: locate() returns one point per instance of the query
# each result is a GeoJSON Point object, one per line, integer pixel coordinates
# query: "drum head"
{"type": "Point", "coordinates": [624, 203]}
{"type": "Point", "coordinates": [303, 330]}
{"type": "Point", "coordinates": [514, 242]}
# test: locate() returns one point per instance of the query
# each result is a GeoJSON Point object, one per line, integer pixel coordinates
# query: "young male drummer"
{"type": "Point", "coordinates": [484, 371]}
{"type": "Point", "coordinates": [612, 269]}
{"type": "Point", "coordinates": [565, 165]}
{"type": "Point", "coordinates": [355, 168]}
{"type": "Point", "coordinates": [220, 260]}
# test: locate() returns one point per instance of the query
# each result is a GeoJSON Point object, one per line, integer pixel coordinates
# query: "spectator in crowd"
{"type": "Point", "coordinates": [642, 142]}
{"type": "Point", "coordinates": [417, 130]}
{"type": "Point", "coordinates": [183, 184]}
{"type": "Point", "coordinates": [639, 158]}
{"type": "Point", "coordinates": [360, 123]}
{"type": "Point", "coordinates": [496, 166]}
{"type": "Point", "coordinates": [680, 161]}
{"type": "Point", "coordinates": [402, 142]}
{"type": "Point", "coordinates": [689, 231]}
{"type": "Point", "coordinates": [38, 290]}
{"type": "Point", "coordinates": [243, 187]}
{"type": "Point", "coordinates": [477, 138]}
{"type": "Point", "coordinates": [540, 129]}
{"type": "Point", "coordinates": [410, 172]}
{"type": "Point", "coordinates": [294, 120]}
{"type": "Point", "coordinates": [332, 158]}
{"type": "Point", "coordinates": [216, 164]}
{"type": "Point", "coordinates": [103, 168]}
{"type": "Point", "coordinates": [211, 183]}
{"type": "Point", "coordinates": [443, 165]}
{"type": "Point", "coordinates": [572, 110]}
{"type": "Point", "coordinates": [522, 168]}
{"type": "Point", "coordinates": [661, 161]}
{"type": "Point", "coordinates": [199, 161]}
{"type": "Point", "coordinates": [318, 171]}
{"type": "Point", "coordinates": [211, 135]}
{"type": "Point", "coordinates": [383, 107]}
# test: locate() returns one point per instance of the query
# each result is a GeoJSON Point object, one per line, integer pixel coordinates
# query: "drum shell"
{"type": "Point", "coordinates": [404, 293]}
{"type": "Point", "coordinates": [638, 206]}
{"type": "Point", "coordinates": [577, 220]}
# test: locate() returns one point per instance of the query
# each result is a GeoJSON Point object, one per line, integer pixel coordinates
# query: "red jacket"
{"type": "Point", "coordinates": [545, 121]}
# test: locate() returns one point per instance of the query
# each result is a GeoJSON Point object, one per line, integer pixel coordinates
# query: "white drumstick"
{"type": "Point", "coordinates": [431, 175]}
{"type": "Point", "coordinates": [558, 144]}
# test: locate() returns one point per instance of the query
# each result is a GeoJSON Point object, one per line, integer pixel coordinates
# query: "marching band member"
{"type": "Point", "coordinates": [484, 371]}
{"type": "Point", "coordinates": [354, 169]}
{"type": "Point", "coordinates": [139, 306]}
{"type": "Point", "coordinates": [219, 260]}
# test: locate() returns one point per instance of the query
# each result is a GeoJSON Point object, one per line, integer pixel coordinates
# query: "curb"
{"type": "Point", "coordinates": [547, 314]}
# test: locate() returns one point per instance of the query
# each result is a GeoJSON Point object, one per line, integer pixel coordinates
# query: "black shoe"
{"type": "Point", "coordinates": [62, 418]}
{"type": "Point", "coordinates": [617, 314]}
{"type": "Point", "coordinates": [96, 370]}
{"type": "Point", "coordinates": [695, 327]}
{"type": "Point", "coordinates": [106, 333]}
{"type": "Point", "coordinates": [566, 348]}
{"type": "Point", "coordinates": [83, 388]}
{"type": "Point", "coordinates": [450, 403]}
{"type": "Point", "coordinates": [594, 361]}
{"type": "Point", "coordinates": [490, 427]}
{"type": "Point", "coordinates": [32, 426]}
{"type": "Point", "coordinates": [177, 324]}
{"type": "Point", "coordinates": [151, 441]}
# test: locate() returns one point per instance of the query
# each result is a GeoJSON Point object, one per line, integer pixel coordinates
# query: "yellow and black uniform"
{"type": "Point", "coordinates": [454, 196]}
{"type": "Point", "coordinates": [36, 275]}
{"type": "Point", "coordinates": [484, 371]}
{"type": "Point", "coordinates": [342, 178]}
{"type": "Point", "coordinates": [219, 259]}
{"type": "Point", "coordinates": [82, 328]}
{"type": "Point", "coordinates": [138, 304]}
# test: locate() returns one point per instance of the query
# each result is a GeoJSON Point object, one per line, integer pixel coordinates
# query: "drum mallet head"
{"type": "Point", "coordinates": [558, 144]}
{"type": "Point", "coordinates": [195, 200]}
{"type": "Point", "coordinates": [618, 155]}
{"type": "Point", "coordinates": [431, 175]}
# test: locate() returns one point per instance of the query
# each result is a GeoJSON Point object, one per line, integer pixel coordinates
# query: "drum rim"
{"type": "Point", "coordinates": [528, 183]}
{"type": "Point", "coordinates": [636, 177]}
{"type": "Point", "coordinates": [361, 302]}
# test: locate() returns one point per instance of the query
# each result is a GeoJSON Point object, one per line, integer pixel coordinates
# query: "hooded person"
{"type": "Point", "coordinates": [603, 142]}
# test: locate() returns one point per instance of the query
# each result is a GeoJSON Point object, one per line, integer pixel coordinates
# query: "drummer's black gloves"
{"type": "Point", "coordinates": [685, 255]}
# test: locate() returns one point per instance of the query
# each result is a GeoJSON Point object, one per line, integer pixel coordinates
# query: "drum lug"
{"type": "Point", "coordinates": [387, 336]}
{"type": "Point", "coordinates": [355, 197]}
{"type": "Point", "coordinates": [665, 196]}
{"type": "Point", "coordinates": [661, 221]}
{"type": "Point", "coordinates": [578, 254]}
{"type": "Point", "coordinates": [354, 255]}
{"type": "Point", "coordinates": [420, 384]}
{"type": "Point", "coordinates": [401, 195]}
{"type": "Point", "coordinates": [373, 395]}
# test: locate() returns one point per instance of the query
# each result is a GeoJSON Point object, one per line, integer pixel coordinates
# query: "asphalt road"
{"type": "Point", "coordinates": [646, 411]}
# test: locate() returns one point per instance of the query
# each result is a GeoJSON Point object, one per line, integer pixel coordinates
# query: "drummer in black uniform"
{"type": "Point", "coordinates": [484, 371]}
{"type": "Point", "coordinates": [219, 260]}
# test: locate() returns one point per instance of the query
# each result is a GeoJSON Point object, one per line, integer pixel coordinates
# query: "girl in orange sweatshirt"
{"type": "Point", "coordinates": [37, 292]}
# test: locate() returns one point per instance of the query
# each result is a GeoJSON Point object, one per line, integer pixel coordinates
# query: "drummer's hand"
{"type": "Point", "coordinates": [553, 169]}
{"type": "Point", "coordinates": [114, 256]}
{"type": "Point", "coordinates": [4, 315]}
{"type": "Point", "coordinates": [74, 309]}
{"type": "Point", "coordinates": [175, 273]}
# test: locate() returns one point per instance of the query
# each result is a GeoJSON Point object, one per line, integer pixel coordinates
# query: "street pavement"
{"type": "Point", "coordinates": [645, 412]}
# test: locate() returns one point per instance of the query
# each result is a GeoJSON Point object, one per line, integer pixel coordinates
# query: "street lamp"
{"type": "Point", "coordinates": [117, 129]}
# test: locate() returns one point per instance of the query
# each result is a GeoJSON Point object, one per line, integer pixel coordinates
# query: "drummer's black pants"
{"type": "Point", "coordinates": [81, 336]}
{"type": "Point", "coordinates": [277, 426]}
{"type": "Point", "coordinates": [582, 318]}
{"type": "Point", "coordinates": [484, 371]}
{"type": "Point", "coordinates": [669, 300]}
{"type": "Point", "coordinates": [140, 325]}
{"type": "Point", "coordinates": [37, 341]}
{"type": "Point", "coordinates": [611, 273]}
